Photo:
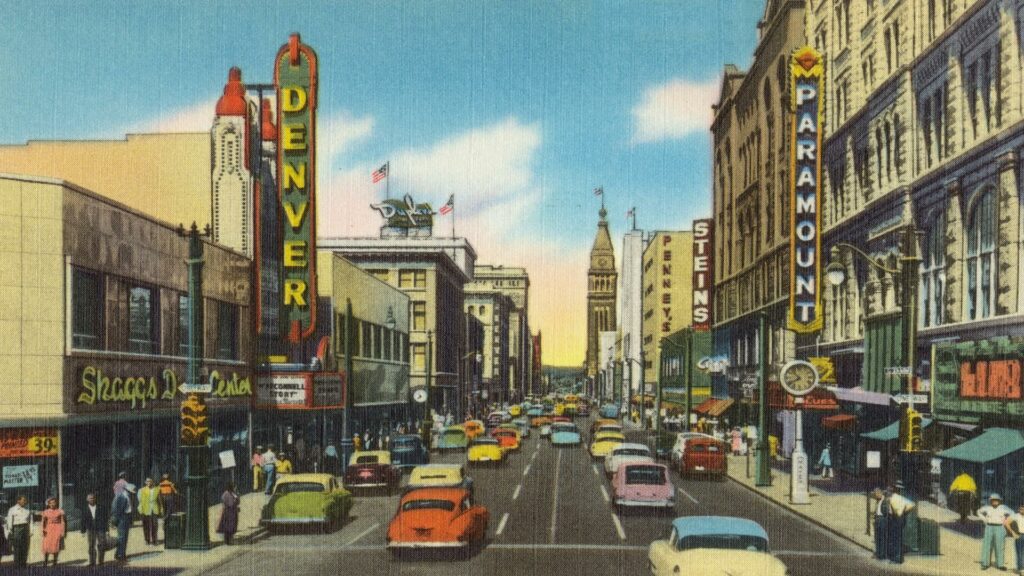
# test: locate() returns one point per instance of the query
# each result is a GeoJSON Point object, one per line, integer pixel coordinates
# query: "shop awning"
{"type": "Point", "coordinates": [892, 431]}
{"type": "Point", "coordinates": [860, 396]}
{"type": "Point", "coordinates": [993, 444]}
{"type": "Point", "coordinates": [714, 407]}
{"type": "Point", "coordinates": [839, 422]}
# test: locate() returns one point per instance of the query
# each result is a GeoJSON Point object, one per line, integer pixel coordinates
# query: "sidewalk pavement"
{"type": "Point", "coordinates": [844, 513]}
{"type": "Point", "coordinates": [144, 557]}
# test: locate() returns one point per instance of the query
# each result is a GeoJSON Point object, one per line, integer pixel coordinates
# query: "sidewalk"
{"type": "Point", "coordinates": [155, 558]}
{"type": "Point", "coordinates": [844, 514]}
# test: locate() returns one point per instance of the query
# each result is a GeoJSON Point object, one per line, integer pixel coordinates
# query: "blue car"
{"type": "Point", "coordinates": [408, 451]}
{"type": "Point", "coordinates": [565, 434]}
{"type": "Point", "coordinates": [609, 411]}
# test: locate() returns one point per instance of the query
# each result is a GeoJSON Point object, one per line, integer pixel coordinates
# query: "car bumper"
{"type": "Point", "coordinates": [645, 503]}
{"type": "Point", "coordinates": [456, 544]}
{"type": "Point", "coordinates": [377, 484]}
{"type": "Point", "coordinates": [294, 521]}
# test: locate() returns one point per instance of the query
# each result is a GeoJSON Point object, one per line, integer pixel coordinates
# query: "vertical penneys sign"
{"type": "Point", "coordinates": [295, 76]}
{"type": "Point", "coordinates": [805, 198]}
{"type": "Point", "coordinates": [703, 265]}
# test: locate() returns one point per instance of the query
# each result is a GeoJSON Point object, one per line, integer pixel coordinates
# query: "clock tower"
{"type": "Point", "coordinates": [602, 283]}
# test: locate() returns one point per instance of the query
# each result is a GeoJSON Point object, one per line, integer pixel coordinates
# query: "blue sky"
{"type": "Point", "coordinates": [518, 108]}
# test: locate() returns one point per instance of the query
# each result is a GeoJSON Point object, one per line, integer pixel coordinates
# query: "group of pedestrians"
{"type": "Point", "coordinates": [267, 466]}
{"type": "Point", "coordinates": [890, 518]}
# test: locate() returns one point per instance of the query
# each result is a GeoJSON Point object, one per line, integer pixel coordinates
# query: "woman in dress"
{"type": "Point", "coordinates": [229, 513]}
{"type": "Point", "coordinates": [54, 526]}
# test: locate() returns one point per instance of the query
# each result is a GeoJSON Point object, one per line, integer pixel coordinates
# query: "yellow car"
{"type": "Point", "coordinates": [559, 409]}
{"type": "Point", "coordinates": [604, 442]}
{"type": "Point", "coordinates": [485, 450]}
{"type": "Point", "coordinates": [515, 410]}
{"type": "Point", "coordinates": [439, 476]}
{"type": "Point", "coordinates": [705, 545]}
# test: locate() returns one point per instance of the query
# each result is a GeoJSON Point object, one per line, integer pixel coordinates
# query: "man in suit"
{"type": "Point", "coordinates": [94, 526]}
{"type": "Point", "coordinates": [121, 516]}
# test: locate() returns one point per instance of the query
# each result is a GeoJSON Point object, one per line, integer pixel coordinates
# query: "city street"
{"type": "Point", "coordinates": [550, 514]}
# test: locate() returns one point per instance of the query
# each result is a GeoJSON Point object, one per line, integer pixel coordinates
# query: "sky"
{"type": "Point", "coordinates": [520, 109]}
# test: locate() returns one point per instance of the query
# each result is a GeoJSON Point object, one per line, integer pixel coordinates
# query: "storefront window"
{"type": "Point", "coordinates": [227, 331]}
{"type": "Point", "coordinates": [87, 310]}
{"type": "Point", "coordinates": [142, 320]}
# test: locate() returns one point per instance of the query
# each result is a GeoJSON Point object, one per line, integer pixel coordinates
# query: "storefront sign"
{"type": "Point", "coordinates": [818, 399]}
{"type": "Point", "coordinates": [703, 265]}
{"type": "Point", "coordinates": [873, 460]}
{"type": "Point", "coordinates": [29, 442]}
{"type": "Point", "coordinates": [805, 199]}
{"type": "Point", "coordinates": [405, 213]}
{"type": "Point", "coordinates": [826, 370]}
{"type": "Point", "coordinates": [300, 390]}
{"type": "Point", "coordinates": [713, 364]}
{"type": "Point", "coordinates": [327, 390]}
{"type": "Point", "coordinates": [97, 386]}
{"type": "Point", "coordinates": [978, 378]}
{"type": "Point", "coordinates": [25, 476]}
{"type": "Point", "coordinates": [295, 74]}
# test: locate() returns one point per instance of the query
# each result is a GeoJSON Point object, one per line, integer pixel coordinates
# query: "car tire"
{"type": "Point", "coordinates": [396, 553]}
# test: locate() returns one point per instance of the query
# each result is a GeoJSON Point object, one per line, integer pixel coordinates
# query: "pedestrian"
{"type": "Point", "coordinates": [899, 506]}
{"type": "Point", "coordinates": [228, 524]}
{"type": "Point", "coordinates": [283, 465]}
{"type": "Point", "coordinates": [151, 509]}
{"type": "Point", "coordinates": [963, 495]}
{"type": "Point", "coordinates": [825, 461]}
{"type": "Point", "coordinates": [168, 496]}
{"type": "Point", "coordinates": [995, 516]}
{"type": "Point", "coordinates": [299, 448]}
{"type": "Point", "coordinates": [53, 528]}
{"type": "Point", "coordinates": [881, 516]}
{"type": "Point", "coordinates": [368, 442]}
{"type": "Point", "coordinates": [94, 526]}
{"type": "Point", "coordinates": [270, 468]}
{"type": "Point", "coordinates": [121, 483]}
{"type": "Point", "coordinates": [257, 469]}
{"type": "Point", "coordinates": [121, 518]}
{"type": "Point", "coordinates": [737, 441]}
{"type": "Point", "coordinates": [332, 465]}
{"type": "Point", "coordinates": [357, 442]}
{"type": "Point", "coordinates": [19, 526]}
{"type": "Point", "coordinates": [1014, 525]}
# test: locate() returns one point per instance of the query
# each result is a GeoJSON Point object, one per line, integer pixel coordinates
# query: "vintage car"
{"type": "Point", "coordinates": [602, 422]}
{"type": "Point", "coordinates": [604, 442]}
{"type": "Point", "coordinates": [676, 455]}
{"type": "Point", "coordinates": [437, 518]}
{"type": "Point", "coordinates": [523, 425]}
{"type": "Point", "coordinates": [452, 438]}
{"type": "Point", "coordinates": [626, 452]}
{"type": "Point", "coordinates": [560, 409]}
{"type": "Point", "coordinates": [439, 476]}
{"type": "Point", "coordinates": [515, 410]}
{"type": "Point", "coordinates": [643, 484]}
{"type": "Point", "coordinates": [704, 457]}
{"type": "Point", "coordinates": [485, 450]}
{"type": "Point", "coordinates": [372, 469]}
{"type": "Point", "coordinates": [616, 427]}
{"type": "Point", "coordinates": [408, 451]}
{"type": "Point", "coordinates": [507, 437]}
{"type": "Point", "coordinates": [545, 430]}
{"type": "Point", "coordinates": [608, 411]}
{"type": "Point", "coordinates": [473, 428]}
{"type": "Point", "coordinates": [706, 545]}
{"type": "Point", "coordinates": [534, 412]}
{"type": "Point", "coordinates": [569, 409]}
{"type": "Point", "coordinates": [564, 434]}
{"type": "Point", "coordinates": [497, 417]}
{"type": "Point", "coordinates": [315, 499]}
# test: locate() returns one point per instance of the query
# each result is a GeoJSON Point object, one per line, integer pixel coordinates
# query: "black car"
{"type": "Point", "coordinates": [408, 451]}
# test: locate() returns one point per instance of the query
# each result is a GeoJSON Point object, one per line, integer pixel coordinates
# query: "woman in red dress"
{"type": "Point", "coordinates": [54, 527]}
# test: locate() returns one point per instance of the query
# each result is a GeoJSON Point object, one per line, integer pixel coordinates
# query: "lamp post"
{"type": "Point", "coordinates": [346, 444]}
{"type": "Point", "coordinates": [763, 472]}
{"type": "Point", "coordinates": [428, 420]}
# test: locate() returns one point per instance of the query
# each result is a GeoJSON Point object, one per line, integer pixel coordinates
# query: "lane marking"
{"type": "Point", "coordinates": [363, 533]}
{"type": "Point", "coordinates": [684, 493]}
{"type": "Point", "coordinates": [534, 457]}
{"type": "Point", "coordinates": [594, 468]}
{"type": "Point", "coordinates": [554, 501]}
{"type": "Point", "coordinates": [501, 525]}
{"type": "Point", "coordinates": [618, 526]}
{"type": "Point", "coordinates": [527, 469]}
{"type": "Point", "coordinates": [597, 547]}
{"type": "Point", "coordinates": [604, 493]}
{"type": "Point", "coordinates": [515, 494]}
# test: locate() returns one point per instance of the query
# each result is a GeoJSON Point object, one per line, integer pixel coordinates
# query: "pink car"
{"type": "Point", "coordinates": [643, 484]}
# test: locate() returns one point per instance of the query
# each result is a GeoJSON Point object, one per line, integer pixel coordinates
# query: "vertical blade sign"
{"type": "Point", "coordinates": [703, 267]}
{"type": "Point", "coordinates": [295, 75]}
{"type": "Point", "coordinates": [805, 197]}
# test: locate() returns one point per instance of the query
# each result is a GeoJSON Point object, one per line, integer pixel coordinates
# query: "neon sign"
{"type": "Point", "coordinates": [702, 266]}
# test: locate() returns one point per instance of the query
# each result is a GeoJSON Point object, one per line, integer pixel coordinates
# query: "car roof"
{"type": "Point", "coordinates": [606, 435]}
{"type": "Point", "coordinates": [631, 445]}
{"type": "Point", "coordinates": [451, 494]}
{"type": "Point", "coordinates": [717, 525]}
{"type": "Point", "coordinates": [439, 467]}
{"type": "Point", "coordinates": [644, 465]}
{"type": "Point", "coordinates": [290, 478]}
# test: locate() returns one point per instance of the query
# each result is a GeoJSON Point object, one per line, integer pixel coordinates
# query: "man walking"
{"type": "Point", "coordinates": [270, 468]}
{"type": "Point", "coordinates": [825, 461]}
{"type": "Point", "coordinates": [882, 512]}
{"type": "Point", "coordinates": [899, 505]}
{"type": "Point", "coordinates": [151, 509]}
{"type": "Point", "coordinates": [995, 516]}
{"type": "Point", "coordinates": [121, 517]}
{"type": "Point", "coordinates": [94, 526]}
{"type": "Point", "coordinates": [19, 528]}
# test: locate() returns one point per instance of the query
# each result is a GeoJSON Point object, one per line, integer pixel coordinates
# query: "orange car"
{"type": "Point", "coordinates": [473, 428]}
{"type": "Point", "coordinates": [538, 421]}
{"type": "Point", "coordinates": [437, 518]}
{"type": "Point", "coordinates": [507, 438]}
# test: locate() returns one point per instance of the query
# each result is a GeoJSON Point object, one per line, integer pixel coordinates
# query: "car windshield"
{"type": "Point", "coordinates": [405, 443]}
{"type": "Point", "coordinates": [723, 542]}
{"type": "Point", "coordinates": [428, 505]}
{"type": "Point", "coordinates": [485, 442]}
{"type": "Point", "coordinates": [293, 487]}
{"type": "Point", "coordinates": [653, 475]}
{"type": "Point", "coordinates": [630, 452]}
{"type": "Point", "coordinates": [564, 428]}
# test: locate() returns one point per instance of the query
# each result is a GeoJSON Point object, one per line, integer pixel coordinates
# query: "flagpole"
{"type": "Point", "coordinates": [634, 217]}
{"type": "Point", "coordinates": [453, 215]}
{"type": "Point", "coordinates": [387, 186]}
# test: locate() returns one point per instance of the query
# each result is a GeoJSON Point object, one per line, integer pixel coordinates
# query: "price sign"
{"type": "Point", "coordinates": [29, 442]}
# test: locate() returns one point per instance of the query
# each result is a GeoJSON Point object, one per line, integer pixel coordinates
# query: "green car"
{"type": "Point", "coordinates": [299, 499]}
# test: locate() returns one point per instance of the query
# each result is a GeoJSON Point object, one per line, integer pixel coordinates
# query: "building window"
{"type": "Point", "coordinates": [403, 343]}
{"type": "Point", "coordinates": [981, 256]}
{"type": "Point", "coordinates": [86, 310]}
{"type": "Point", "coordinates": [378, 342]}
{"type": "Point", "coordinates": [143, 336]}
{"type": "Point", "coordinates": [419, 357]}
{"type": "Point", "coordinates": [366, 338]}
{"type": "Point", "coordinates": [383, 275]}
{"type": "Point", "coordinates": [183, 324]}
{"type": "Point", "coordinates": [405, 278]}
{"type": "Point", "coordinates": [227, 331]}
{"type": "Point", "coordinates": [387, 340]}
{"type": "Point", "coordinates": [419, 316]}
{"type": "Point", "coordinates": [933, 273]}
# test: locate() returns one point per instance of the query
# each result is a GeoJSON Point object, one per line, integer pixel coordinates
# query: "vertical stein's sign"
{"type": "Point", "coordinates": [703, 242]}
{"type": "Point", "coordinates": [805, 313]}
{"type": "Point", "coordinates": [295, 76]}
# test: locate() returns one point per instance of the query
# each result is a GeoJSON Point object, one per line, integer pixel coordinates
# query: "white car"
{"type": "Point", "coordinates": [626, 453]}
{"type": "Point", "coordinates": [545, 431]}
{"type": "Point", "coordinates": [680, 446]}
{"type": "Point", "coordinates": [713, 546]}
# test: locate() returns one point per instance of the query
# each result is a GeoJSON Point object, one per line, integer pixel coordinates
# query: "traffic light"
{"type": "Point", "coordinates": [910, 431]}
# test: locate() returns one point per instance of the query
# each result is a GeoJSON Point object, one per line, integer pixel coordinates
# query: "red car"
{"type": "Point", "coordinates": [507, 438]}
{"type": "Point", "coordinates": [372, 469]}
{"type": "Point", "coordinates": [437, 518]}
{"type": "Point", "coordinates": [704, 457]}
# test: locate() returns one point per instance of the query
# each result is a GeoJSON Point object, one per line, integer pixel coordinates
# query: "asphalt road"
{"type": "Point", "coordinates": [550, 514]}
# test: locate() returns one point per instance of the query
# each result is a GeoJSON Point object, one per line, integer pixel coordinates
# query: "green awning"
{"type": "Point", "coordinates": [993, 444]}
{"type": "Point", "coordinates": [892, 431]}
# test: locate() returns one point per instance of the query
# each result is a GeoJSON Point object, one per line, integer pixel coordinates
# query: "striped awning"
{"type": "Point", "coordinates": [713, 407]}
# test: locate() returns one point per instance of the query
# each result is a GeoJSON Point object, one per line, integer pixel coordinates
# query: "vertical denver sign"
{"type": "Point", "coordinates": [295, 76]}
{"type": "Point", "coordinates": [805, 198]}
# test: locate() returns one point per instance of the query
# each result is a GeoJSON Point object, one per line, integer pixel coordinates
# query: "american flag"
{"type": "Point", "coordinates": [630, 212]}
{"type": "Point", "coordinates": [381, 173]}
{"type": "Point", "coordinates": [598, 191]}
{"type": "Point", "coordinates": [448, 207]}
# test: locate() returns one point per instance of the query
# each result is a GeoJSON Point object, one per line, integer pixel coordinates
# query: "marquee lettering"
{"type": "Point", "coordinates": [703, 241]}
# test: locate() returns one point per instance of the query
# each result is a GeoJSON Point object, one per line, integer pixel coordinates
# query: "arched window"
{"type": "Point", "coordinates": [472, 310]}
{"type": "Point", "coordinates": [933, 272]}
{"type": "Point", "coordinates": [483, 310]}
{"type": "Point", "coordinates": [981, 256]}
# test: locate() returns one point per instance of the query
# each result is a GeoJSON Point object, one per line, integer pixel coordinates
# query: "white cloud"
{"type": "Point", "coordinates": [337, 132]}
{"type": "Point", "coordinates": [674, 110]}
{"type": "Point", "coordinates": [196, 117]}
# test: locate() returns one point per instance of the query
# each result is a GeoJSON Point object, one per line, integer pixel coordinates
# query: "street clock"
{"type": "Point", "coordinates": [798, 377]}
{"type": "Point", "coordinates": [420, 395]}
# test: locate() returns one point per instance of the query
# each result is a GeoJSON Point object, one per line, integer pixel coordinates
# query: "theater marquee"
{"type": "Point", "coordinates": [805, 311]}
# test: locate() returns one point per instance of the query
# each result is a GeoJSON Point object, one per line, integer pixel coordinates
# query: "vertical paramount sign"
{"type": "Point", "coordinates": [805, 198]}
{"type": "Point", "coordinates": [295, 76]}
{"type": "Point", "coordinates": [703, 241]}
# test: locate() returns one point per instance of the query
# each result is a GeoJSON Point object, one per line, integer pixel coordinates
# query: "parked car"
{"type": "Point", "coordinates": [437, 518]}
{"type": "Point", "coordinates": [643, 484]}
{"type": "Point", "coordinates": [626, 452]}
{"type": "Point", "coordinates": [452, 438]}
{"type": "Point", "coordinates": [564, 434]}
{"type": "Point", "coordinates": [676, 455]}
{"type": "Point", "coordinates": [306, 499]}
{"type": "Point", "coordinates": [714, 545]}
{"type": "Point", "coordinates": [485, 450]}
{"type": "Point", "coordinates": [439, 476]}
{"type": "Point", "coordinates": [372, 469]}
{"type": "Point", "coordinates": [408, 451]}
{"type": "Point", "coordinates": [704, 457]}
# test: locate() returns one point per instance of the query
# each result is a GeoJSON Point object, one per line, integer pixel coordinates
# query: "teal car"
{"type": "Point", "coordinates": [523, 425]}
{"type": "Point", "coordinates": [452, 438]}
{"type": "Point", "coordinates": [307, 499]}
{"type": "Point", "coordinates": [565, 434]}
